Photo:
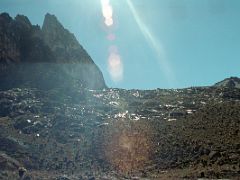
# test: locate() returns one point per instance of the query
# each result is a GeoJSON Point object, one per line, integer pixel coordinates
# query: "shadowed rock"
{"type": "Point", "coordinates": [45, 58]}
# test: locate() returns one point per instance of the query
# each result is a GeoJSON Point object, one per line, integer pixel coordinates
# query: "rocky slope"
{"type": "Point", "coordinates": [44, 57]}
{"type": "Point", "coordinates": [232, 82]}
{"type": "Point", "coordinates": [120, 134]}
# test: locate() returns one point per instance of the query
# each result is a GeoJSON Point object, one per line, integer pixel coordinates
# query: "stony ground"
{"type": "Point", "coordinates": [120, 134]}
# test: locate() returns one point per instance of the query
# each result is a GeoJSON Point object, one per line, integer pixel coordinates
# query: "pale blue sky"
{"type": "Point", "coordinates": [162, 43]}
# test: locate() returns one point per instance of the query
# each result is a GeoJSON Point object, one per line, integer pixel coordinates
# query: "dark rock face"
{"type": "Point", "coordinates": [6, 162]}
{"type": "Point", "coordinates": [20, 41]}
{"type": "Point", "coordinates": [44, 58]}
{"type": "Point", "coordinates": [63, 43]}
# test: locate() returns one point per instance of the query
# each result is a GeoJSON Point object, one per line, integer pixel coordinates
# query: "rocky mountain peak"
{"type": "Point", "coordinates": [232, 82]}
{"type": "Point", "coordinates": [51, 22]}
{"type": "Point", "coordinates": [62, 42]}
{"type": "Point", "coordinates": [4, 17]}
{"type": "Point", "coordinates": [23, 20]}
{"type": "Point", "coordinates": [43, 57]}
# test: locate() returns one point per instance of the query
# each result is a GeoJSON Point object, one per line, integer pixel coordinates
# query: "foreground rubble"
{"type": "Point", "coordinates": [116, 133]}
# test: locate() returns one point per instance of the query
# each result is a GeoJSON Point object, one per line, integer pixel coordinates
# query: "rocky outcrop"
{"type": "Point", "coordinates": [45, 58]}
{"type": "Point", "coordinates": [232, 82]}
{"type": "Point", "coordinates": [63, 43]}
{"type": "Point", "coordinates": [20, 41]}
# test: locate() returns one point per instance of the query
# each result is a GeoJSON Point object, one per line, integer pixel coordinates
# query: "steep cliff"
{"type": "Point", "coordinates": [44, 58]}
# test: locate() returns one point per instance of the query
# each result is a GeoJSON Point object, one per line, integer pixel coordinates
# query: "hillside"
{"type": "Point", "coordinates": [116, 133]}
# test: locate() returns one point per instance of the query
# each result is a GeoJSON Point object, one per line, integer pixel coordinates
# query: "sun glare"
{"type": "Point", "coordinates": [115, 64]}
{"type": "Point", "coordinates": [107, 12]}
{"type": "Point", "coordinates": [115, 67]}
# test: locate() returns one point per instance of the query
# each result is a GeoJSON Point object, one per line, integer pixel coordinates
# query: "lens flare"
{"type": "Point", "coordinates": [115, 66]}
{"type": "Point", "coordinates": [128, 145]}
{"type": "Point", "coordinates": [109, 22]}
{"type": "Point", "coordinates": [107, 12]}
{"type": "Point", "coordinates": [104, 2]}
{"type": "Point", "coordinates": [155, 44]}
{"type": "Point", "coordinates": [111, 37]}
